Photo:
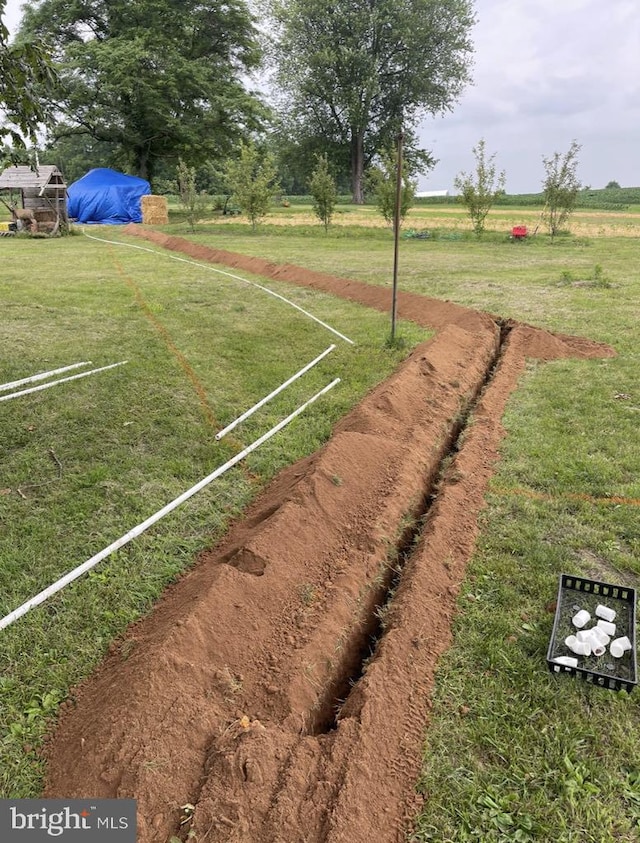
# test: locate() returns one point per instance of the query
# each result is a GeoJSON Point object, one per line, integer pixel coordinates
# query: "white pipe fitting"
{"type": "Point", "coordinates": [605, 613]}
{"type": "Point", "coordinates": [609, 628]}
{"type": "Point", "coordinates": [599, 636]}
{"type": "Point", "coordinates": [583, 635]}
{"type": "Point", "coordinates": [580, 648]}
{"type": "Point", "coordinates": [619, 647]}
{"type": "Point", "coordinates": [581, 618]}
{"type": "Point", "coordinates": [567, 661]}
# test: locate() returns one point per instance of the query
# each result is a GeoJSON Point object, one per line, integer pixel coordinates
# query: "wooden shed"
{"type": "Point", "coordinates": [42, 190]}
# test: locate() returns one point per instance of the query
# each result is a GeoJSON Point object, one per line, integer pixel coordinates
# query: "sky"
{"type": "Point", "coordinates": [544, 73]}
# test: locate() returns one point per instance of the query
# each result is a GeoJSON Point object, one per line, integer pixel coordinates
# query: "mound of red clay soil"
{"type": "Point", "coordinates": [282, 687]}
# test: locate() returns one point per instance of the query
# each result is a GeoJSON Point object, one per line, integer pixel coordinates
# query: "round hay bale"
{"type": "Point", "coordinates": [155, 210]}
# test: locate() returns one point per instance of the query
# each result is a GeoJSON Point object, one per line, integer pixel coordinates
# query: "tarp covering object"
{"type": "Point", "coordinates": [106, 197]}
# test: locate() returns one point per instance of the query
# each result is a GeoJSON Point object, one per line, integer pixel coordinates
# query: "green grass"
{"type": "Point", "coordinates": [514, 753]}
{"type": "Point", "coordinates": [86, 461]}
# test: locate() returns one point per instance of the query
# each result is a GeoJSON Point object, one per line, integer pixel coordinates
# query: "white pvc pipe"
{"type": "Point", "coordinates": [42, 376]}
{"type": "Point", "coordinates": [136, 531]}
{"type": "Point", "coordinates": [579, 647]}
{"type": "Point", "coordinates": [609, 628]}
{"type": "Point", "coordinates": [271, 395]}
{"type": "Point", "coordinates": [619, 647]}
{"type": "Point", "coordinates": [566, 661]}
{"type": "Point", "coordinates": [605, 613]}
{"type": "Point", "coordinates": [600, 636]}
{"type": "Point", "coordinates": [223, 272]}
{"type": "Point", "coordinates": [581, 619]}
{"type": "Point", "coordinates": [61, 380]}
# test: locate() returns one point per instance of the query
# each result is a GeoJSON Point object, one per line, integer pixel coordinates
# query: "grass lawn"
{"type": "Point", "coordinates": [512, 753]}
{"type": "Point", "coordinates": [86, 461]}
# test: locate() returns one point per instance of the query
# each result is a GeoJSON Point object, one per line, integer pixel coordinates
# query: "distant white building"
{"type": "Point", "coordinates": [427, 194]}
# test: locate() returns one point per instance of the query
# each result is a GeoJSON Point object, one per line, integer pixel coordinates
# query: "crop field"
{"type": "Point", "coordinates": [511, 752]}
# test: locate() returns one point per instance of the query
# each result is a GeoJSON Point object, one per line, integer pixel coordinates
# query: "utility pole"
{"type": "Point", "coordinates": [396, 236]}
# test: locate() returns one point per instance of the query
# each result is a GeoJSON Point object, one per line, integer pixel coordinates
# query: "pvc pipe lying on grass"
{"type": "Point", "coordinates": [224, 272]}
{"type": "Point", "coordinates": [136, 531]}
{"type": "Point", "coordinates": [61, 380]}
{"type": "Point", "coordinates": [271, 395]}
{"type": "Point", "coordinates": [42, 376]}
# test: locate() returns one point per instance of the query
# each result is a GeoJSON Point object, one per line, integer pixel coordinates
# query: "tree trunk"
{"type": "Point", "coordinates": [357, 166]}
{"type": "Point", "coordinates": [143, 164]}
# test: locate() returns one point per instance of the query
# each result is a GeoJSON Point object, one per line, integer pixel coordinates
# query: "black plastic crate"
{"type": "Point", "coordinates": [579, 593]}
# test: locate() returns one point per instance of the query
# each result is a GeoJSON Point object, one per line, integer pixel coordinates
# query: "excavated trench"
{"type": "Point", "coordinates": [367, 637]}
{"type": "Point", "coordinates": [282, 686]}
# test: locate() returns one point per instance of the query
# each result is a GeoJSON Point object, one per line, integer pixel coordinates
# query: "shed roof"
{"type": "Point", "coordinates": [24, 177]}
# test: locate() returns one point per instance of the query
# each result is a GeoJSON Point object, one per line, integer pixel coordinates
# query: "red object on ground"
{"type": "Point", "coordinates": [519, 231]}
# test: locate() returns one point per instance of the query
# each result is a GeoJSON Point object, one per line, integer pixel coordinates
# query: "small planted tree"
{"type": "Point", "coordinates": [480, 189]}
{"type": "Point", "coordinates": [323, 189]}
{"type": "Point", "coordinates": [253, 179]}
{"type": "Point", "coordinates": [560, 187]}
{"type": "Point", "coordinates": [193, 202]}
{"type": "Point", "coordinates": [381, 181]}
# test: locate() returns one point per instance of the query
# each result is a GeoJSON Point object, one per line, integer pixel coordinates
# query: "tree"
{"type": "Point", "coordinates": [295, 151]}
{"type": "Point", "coordinates": [323, 189]}
{"type": "Point", "coordinates": [155, 79]}
{"type": "Point", "coordinates": [192, 201]}
{"type": "Point", "coordinates": [381, 180]}
{"type": "Point", "coordinates": [612, 185]}
{"type": "Point", "coordinates": [560, 187]}
{"type": "Point", "coordinates": [252, 178]}
{"type": "Point", "coordinates": [480, 189]}
{"type": "Point", "coordinates": [359, 71]}
{"type": "Point", "coordinates": [24, 67]}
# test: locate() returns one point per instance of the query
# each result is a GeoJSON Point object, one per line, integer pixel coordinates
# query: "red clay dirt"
{"type": "Point", "coordinates": [244, 693]}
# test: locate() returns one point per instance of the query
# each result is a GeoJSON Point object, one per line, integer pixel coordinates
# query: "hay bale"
{"type": "Point", "coordinates": [155, 210]}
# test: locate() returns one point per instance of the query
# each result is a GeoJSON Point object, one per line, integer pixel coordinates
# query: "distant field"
{"type": "Point", "coordinates": [452, 216]}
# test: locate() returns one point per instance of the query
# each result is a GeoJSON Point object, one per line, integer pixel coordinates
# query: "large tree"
{"type": "Point", "coordinates": [155, 79]}
{"type": "Point", "coordinates": [24, 67]}
{"type": "Point", "coordinates": [357, 71]}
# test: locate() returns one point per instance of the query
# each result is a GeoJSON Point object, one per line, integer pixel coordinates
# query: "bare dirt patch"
{"type": "Point", "coordinates": [282, 687]}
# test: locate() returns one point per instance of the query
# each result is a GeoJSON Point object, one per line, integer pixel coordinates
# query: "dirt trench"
{"type": "Point", "coordinates": [282, 686]}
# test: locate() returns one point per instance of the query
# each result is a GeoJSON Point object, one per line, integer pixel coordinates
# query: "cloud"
{"type": "Point", "coordinates": [546, 73]}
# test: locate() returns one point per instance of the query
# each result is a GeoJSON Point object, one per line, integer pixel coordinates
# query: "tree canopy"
{"type": "Point", "coordinates": [155, 79]}
{"type": "Point", "coordinates": [24, 68]}
{"type": "Point", "coordinates": [356, 71]}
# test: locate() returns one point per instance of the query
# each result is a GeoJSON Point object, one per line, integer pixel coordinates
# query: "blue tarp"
{"type": "Point", "coordinates": [107, 197]}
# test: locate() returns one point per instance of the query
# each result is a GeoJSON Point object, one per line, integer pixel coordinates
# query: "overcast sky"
{"type": "Point", "coordinates": [545, 72]}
